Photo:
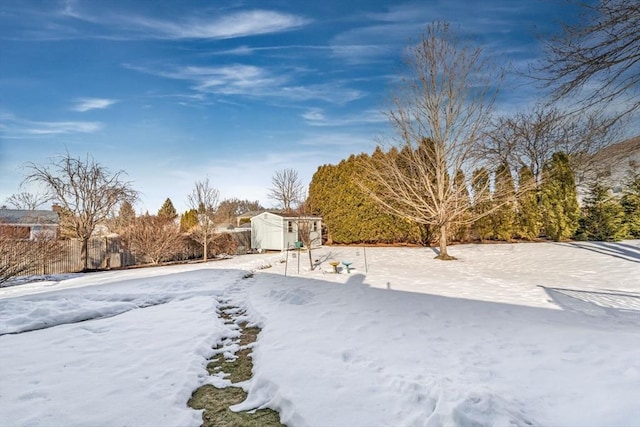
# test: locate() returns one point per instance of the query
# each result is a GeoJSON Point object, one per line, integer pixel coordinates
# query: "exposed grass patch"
{"type": "Point", "coordinates": [216, 401]}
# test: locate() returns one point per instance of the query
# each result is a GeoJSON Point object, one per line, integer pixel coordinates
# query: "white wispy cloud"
{"type": "Point", "coordinates": [245, 50]}
{"type": "Point", "coordinates": [384, 34]}
{"type": "Point", "coordinates": [204, 24]}
{"type": "Point", "coordinates": [238, 24]}
{"type": "Point", "coordinates": [70, 19]}
{"type": "Point", "coordinates": [317, 117]}
{"type": "Point", "coordinates": [15, 127]}
{"type": "Point", "coordinates": [86, 104]}
{"type": "Point", "coordinates": [314, 115]}
{"type": "Point", "coordinates": [52, 128]}
{"type": "Point", "coordinates": [255, 82]}
{"type": "Point", "coordinates": [345, 143]}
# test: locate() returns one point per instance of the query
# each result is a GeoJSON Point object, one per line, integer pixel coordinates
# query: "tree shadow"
{"type": "Point", "coordinates": [615, 249]}
{"type": "Point", "coordinates": [616, 304]}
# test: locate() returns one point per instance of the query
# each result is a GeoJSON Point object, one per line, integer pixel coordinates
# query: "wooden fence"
{"type": "Point", "coordinates": [66, 255]}
{"type": "Point", "coordinates": [103, 253]}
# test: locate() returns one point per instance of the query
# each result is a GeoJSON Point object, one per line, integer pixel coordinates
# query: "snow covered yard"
{"type": "Point", "coordinates": [512, 334]}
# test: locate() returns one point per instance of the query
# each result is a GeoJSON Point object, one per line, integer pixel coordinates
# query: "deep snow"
{"type": "Point", "coordinates": [510, 334]}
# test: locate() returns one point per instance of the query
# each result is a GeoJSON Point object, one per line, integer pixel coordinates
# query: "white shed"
{"type": "Point", "coordinates": [280, 231]}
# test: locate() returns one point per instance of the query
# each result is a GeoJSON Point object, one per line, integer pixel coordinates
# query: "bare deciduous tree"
{"type": "Point", "coordinates": [156, 237]}
{"type": "Point", "coordinates": [530, 138]}
{"type": "Point", "coordinates": [441, 109]}
{"type": "Point", "coordinates": [204, 199]}
{"type": "Point", "coordinates": [597, 61]}
{"type": "Point", "coordinates": [309, 233]}
{"type": "Point", "coordinates": [287, 189]}
{"type": "Point", "coordinates": [86, 190]}
{"type": "Point", "coordinates": [229, 209]}
{"type": "Point", "coordinates": [27, 201]}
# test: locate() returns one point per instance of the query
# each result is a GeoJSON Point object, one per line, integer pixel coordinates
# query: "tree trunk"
{"type": "Point", "coordinates": [85, 254]}
{"type": "Point", "coordinates": [444, 255]}
{"type": "Point", "coordinates": [310, 258]}
{"type": "Point", "coordinates": [205, 247]}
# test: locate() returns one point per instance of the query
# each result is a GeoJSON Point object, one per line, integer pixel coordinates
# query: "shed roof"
{"type": "Point", "coordinates": [286, 214]}
{"type": "Point", "coordinates": [28, 217]}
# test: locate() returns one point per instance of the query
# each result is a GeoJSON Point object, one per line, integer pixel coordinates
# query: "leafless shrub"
{"type": "Point", "coordinates": [223, 244]}
{"type": "Point", "coordinates": [155, 237]}
{"type": "Point", "coordinates": [20, 256]}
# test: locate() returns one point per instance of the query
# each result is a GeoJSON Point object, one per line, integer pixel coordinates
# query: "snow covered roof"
{"type": "Point", "coordinates": [28, 217]}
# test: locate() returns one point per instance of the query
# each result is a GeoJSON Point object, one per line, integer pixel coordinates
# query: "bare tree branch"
{"type": "Point", "coordinates": [441, 110]}
{"type": "Point", "coordinates": [597, 62]}
{"type": "Point", "coordinates": [204, 199]}
{"type": "Point", "coordinates": [87, 192]}
{"type": "Point", "coordinates": [27, 201]}
{"type": "Point", "coordinates": [530, 138]}
{"type": "Point", "coordinates": [287, 189]}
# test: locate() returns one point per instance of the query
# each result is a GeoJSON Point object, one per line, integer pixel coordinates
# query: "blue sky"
{"type": "Point", "coordinates": [177, 91]}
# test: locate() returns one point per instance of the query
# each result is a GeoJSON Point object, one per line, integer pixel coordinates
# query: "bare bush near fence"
{"type": "Point", "coordinates": [224, 244]}
{"type": "Point", "coordinates": [156, 237]}
{"type": "Point", "coordinates": [19, 257]}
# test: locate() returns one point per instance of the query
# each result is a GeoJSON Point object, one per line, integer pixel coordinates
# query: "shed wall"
{"type": "Point", "coordinates": [267, 232]}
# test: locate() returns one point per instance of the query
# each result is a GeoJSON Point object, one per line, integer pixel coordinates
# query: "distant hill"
{"type": "Point", "coordinates": [613, 163]}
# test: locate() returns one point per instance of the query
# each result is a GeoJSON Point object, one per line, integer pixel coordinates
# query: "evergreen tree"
{"type": "Point", "coordinates": [482, 227]}
{"type": "Point", "coordinates": [529, 219]}
{"type": "Point", "coordinates": [559, 202]}
{"type": "Point", "coordinates": [167, 210]}
{"type": "Point", "coordinates": [630, 203]}
{"type": "Point", "coordinates": [350, 215]}
{"type": "Point", "coordinates": [504, 217]}
{"type": "Point", "coordinates": [603, 216]}
{"type": "Point", "coordinates": [126, 216]}
{"type": "Point", "coordinates": [188, 220]}
{"type": "Point", "coordinates": [461, 231]}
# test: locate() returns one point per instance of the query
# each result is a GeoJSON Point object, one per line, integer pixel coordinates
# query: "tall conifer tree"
{"type": "Point", "coordinates": [630, 202]}
{"type": "Point", "coordinates": [167, 210]}
{"type": "Point", "coordinates": [529, 219]}
{"type": "Point", "coordinates": [504, 217]}
{"type": "Point", "coordinates": [188, 220]}
{"type": "Point", "coordinates": [126, 216]}
{"type": "Point", "coordinates": [481, 204]}
{"type": "Point", "coordinates": [461, 231]}
{"type": "Point", "coordinates": [350, 215]}
{"type": "Point", "coordinates": [559, 202]}
{"type": "Point", "coordinates": [603, 216]}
